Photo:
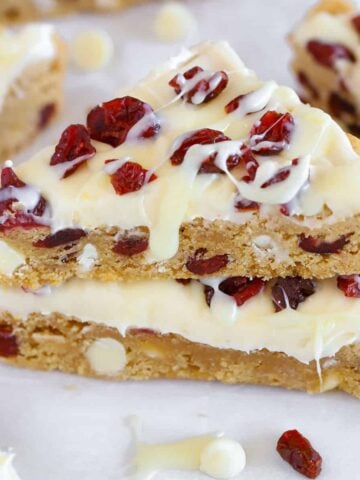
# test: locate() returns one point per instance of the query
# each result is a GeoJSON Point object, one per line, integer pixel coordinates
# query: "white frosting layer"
{"type": "Point", "coordinates": [327, 171]}
{"type": "Point", "coordinates": [20, 49]}
{"type": "Point", "coordinates": [320, 326]}
{"type": "Point", "coordinates": [10, 259]}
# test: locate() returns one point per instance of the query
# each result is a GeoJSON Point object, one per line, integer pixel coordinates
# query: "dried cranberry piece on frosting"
{"type": "Point", "coordinates": [122, 119]}
{"type": "Point", "coordinates": [350, 285]}
{"type": "Point", "coordinates": [130, 245]}
{"type": "Point", "coordinates": [197, 86]}
{"type": "Point", "coordinates": [327, 54]}
{"type": "Point", "coordinates": [205, 136]}
{"type": "Point", "coordinates": [13, 213]}
{"type": "Point", "coordinates": [280, 176]}
{"type": "Point", "coordinates": [289, 292]}
{"type": "Point", "coordinates": [61, 237]}
{"type": "Point", "coordinates": [200, 265]}
{"type": "Point", "coordinates": [316, 245]}
{"type": "Point", "coordinates": [10, 179]}
{"type": "Point", "coordinates": [130, 177]}
{"type": "Point", "coordinates": [245, 205]}
{"type": "Point", "coordinates": [73, 149]}
{"type": "Point", "coordinates": [241, 288]}
{"type": "Point", "coordinates": [296, 450]}
{"type": "Point", "coordinates": [274, 129]}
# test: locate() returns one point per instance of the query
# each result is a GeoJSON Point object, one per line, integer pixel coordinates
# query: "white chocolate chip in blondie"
{"type": "Point", "coordinates": [92, 49]}
{"type": "Point", "coordinates": [106, 356]}
{"type": "Point", "coordinates": [87, 258]}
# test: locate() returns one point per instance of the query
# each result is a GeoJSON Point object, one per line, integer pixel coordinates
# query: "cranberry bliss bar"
{"type": "Point", "coordinates": [201, 169]}
{"type": "Point", "coordinates": [32, 63]}
{"type": "Point", "coordinates": [23, 10]}
{"type": "Point", "coordinates": [289, 332]}
{"type": "Point", "coordinates": [326, 48]}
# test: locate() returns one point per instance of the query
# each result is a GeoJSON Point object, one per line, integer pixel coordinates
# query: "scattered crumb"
{"type": "Point", "coordinates": [92, 49]}
{"type": "Point", "coordinates": [173, 22]}
{"type": "Point", "coordinates": [70, 387]}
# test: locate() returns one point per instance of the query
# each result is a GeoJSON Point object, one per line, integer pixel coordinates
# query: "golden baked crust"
{"type": "Point", "coordinates": [56, 342]}
{"type": "Point", "coordinates": [24, 116]}
{"type": "Point", "coordinates": [334, 7]}
{"type": "Point", "coordinates": [25, 10]}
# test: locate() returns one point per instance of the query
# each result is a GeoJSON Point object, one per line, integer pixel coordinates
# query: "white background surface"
{"type": "Point", "coordinates": [80, 433]}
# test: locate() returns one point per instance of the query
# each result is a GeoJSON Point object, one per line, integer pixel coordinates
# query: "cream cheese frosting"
{"type": "Point", "coordinates": [30, 45]}
{"type": "Point", "coordinates": [319, 328]}
{"type": "Point", "coordinates": [326, 171]}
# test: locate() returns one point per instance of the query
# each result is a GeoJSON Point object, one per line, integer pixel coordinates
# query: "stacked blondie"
{"type": "Point", "coordinates": [204, 224]}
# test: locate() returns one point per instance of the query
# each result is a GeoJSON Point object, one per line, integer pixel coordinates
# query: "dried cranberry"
{"type": "Point", "coordinates": [183, 281]}
{"type": "Point", "coordinates": [206, 266]}
{"type": "Point", "coordinates": [241, 288]}
{"type": "Point", "coordinates": [209, 293]}
{"type": "Point", "coordinates": [295, 449]}
{"type": "Point", "coordinates": [61, 237]}
{"type": "Point", "coordinates": [244, 205]}
{"type": "Point", "coordinates": [74, 146]}
{"type": "Point", "coordinates": [14, 217]}
{"type": "Point", "coordinates": [327, 54]}
{"type": "Point", "coordinates": [235, 103]}
{"type": "Point", "coordinates": [274, 128]}
{"type": "Point", "coordinates": [338, 105]}
{"type": "Point", "coordinates": [141, 331]}
{"type": "Point", "coordinates": [316, 245]}
{"type": "Point", "coordinates": [303, 79]}
{"type": "Point", "coordinates": [46, 114]}
{"type": "Point", "coordinates": [112, 121]}
{"type": "Point", "coordinates": [204, 90]}
{"type": "Point", "coordinates": [8, 343]}
{"type": "Point", "coordinates": [250, 163]}
{"type": "Point", "coordinates": [205, 136]}
{"type": "Point", "coordinates": [131, 245]}
{"type": "Point", "coordinates": [10, 179]}
{"type": "Point", "coordinates": [280, 176]}
{"type": "Point", "coordinates": [350, 285]}
{"type": "Point", "coordinates": [291, 291]}
{"type": "Point", "coordinates": [356, 23]}
{"type": "Point", "coordinates": [130, 177]}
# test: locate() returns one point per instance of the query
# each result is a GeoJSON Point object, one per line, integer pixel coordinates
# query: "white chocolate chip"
{"type": "Point", "coordinates": [87, 258]}
{"type": "Point", "coordinates": [222, 459]}
{"type": "Point", "coordinates": [93, 49]}
{"type": "Point", "coordinates": [7, 471]}
{"type": "Point", "coordinates": [174, 22]}
{"type": "Point", "coordinates": [10, 259]}
{"type": "Point", "coordinates": [106, 356]}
